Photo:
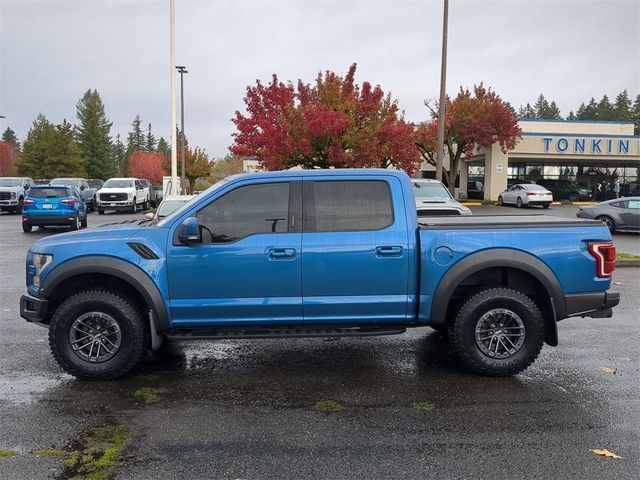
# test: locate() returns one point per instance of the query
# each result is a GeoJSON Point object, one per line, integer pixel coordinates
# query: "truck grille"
{"type": "Point", "coordinates": [113, 197]}
{"type": "Point", "coordinates": [5, 195]}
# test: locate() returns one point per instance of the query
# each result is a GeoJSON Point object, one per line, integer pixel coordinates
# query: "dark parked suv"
{"type": "Point", "coordinates": [566, 190]}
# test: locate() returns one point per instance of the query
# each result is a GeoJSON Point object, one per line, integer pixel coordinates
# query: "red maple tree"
{"type": "Point", "coordinates": [331, 123]}
{"type": "Point", "coordinates": [473, 119]}
{"type": "Point", "coordinates": [146, 165]}
{"type": "Point", "coordinates": [8, 159]}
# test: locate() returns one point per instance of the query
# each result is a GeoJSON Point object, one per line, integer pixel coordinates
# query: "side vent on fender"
{"type": "Point", "coordinates": [144, 251]}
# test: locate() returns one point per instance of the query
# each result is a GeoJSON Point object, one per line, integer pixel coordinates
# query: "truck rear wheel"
{"type": "Point", "coordinates": [97, 335]}
{"type": "Point", "coordinates": [497, 332]}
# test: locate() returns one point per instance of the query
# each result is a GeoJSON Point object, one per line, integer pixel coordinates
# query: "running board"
{"type": "Point", "coordinates": [228, 334]}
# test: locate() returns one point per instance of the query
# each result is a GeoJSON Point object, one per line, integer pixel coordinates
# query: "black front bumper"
{"type": "Point", "coordinates": [591, 304]}
{"type": "Point", "coordinates": [33, 309]}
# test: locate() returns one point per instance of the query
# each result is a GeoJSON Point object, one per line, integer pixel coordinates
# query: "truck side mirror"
{"type": "Point", "coordinates": [189, 231]}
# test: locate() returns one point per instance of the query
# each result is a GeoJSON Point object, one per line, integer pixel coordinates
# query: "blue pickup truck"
{"type": "Point", "coordinates": [310, 254]}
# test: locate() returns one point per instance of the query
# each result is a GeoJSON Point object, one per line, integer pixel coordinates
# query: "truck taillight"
{"type": "Point", "coordinates": [68, 201]}
{"type": "Point", "coordinates": [605, 255]}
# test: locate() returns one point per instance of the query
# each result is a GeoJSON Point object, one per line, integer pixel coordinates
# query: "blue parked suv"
{"type": "Point", "coordinates": [54, 205]}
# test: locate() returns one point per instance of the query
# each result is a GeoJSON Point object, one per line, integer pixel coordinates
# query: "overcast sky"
{"type": "Point", "coordinates": [52, 51]}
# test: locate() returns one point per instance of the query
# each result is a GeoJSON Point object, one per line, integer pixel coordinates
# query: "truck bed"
{"type": "Point", "coordinates": [500, 221]}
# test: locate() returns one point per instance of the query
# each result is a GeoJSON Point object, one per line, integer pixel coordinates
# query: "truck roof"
{"type": "Point", "coordinates": [321, 173]}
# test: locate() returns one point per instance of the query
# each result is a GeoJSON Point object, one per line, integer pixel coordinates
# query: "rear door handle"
{"type": "Point", "coordinates": [389, 251]}
{"type": "Point", "coordinates": [281, 253]}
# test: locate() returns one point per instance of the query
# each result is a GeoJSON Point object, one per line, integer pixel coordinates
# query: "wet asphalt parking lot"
{"type": "Point", "coordinates": [383, 407]}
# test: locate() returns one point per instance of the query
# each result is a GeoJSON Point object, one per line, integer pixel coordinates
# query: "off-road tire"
{"type": "Point", "coordinates": [134, 334]}
{"type": "Point", "coordinates": [134, 207]}
{"type": "Point", "coordinates": [462, 332]}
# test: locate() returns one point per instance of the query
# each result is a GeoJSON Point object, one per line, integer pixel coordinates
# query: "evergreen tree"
{"type": "Point", "coordinates": [135, 141]}
{"type": "Point", "coordinates": [622, 106]}
{"type": "Point", "coordinates": [554, 112]}
{"type": "Point", "coordinates": [572, 116]}
{"type": "Point", "coordinates": [541, 107]}
{"type": "Point", "coordinates": [635, 115]}
{"type": "Point", "coordinates": [513, 110]}
{"type": "Point", "coordinates": [150, 141]}
{"type": "Point", "coordinates": [51, 151]}
{"type": "Point", "coordinates": [163, 147]}
{"type": "Point", "coordinates": [10, 137]}
{"type": "Point", "coordinates": [588, 112]}
{"type": "Point", "coordinates": [529, 111]}
{"type": "Point", "coordinates": [93, 135]}
{"type": "Point", "coordinates": [119, 154]}
{"type": "Point", "coordinates": [604, 110]}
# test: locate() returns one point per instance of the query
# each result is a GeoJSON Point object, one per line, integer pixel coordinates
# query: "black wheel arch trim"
{"type": "Point", "coordinates": [499, 257]}
{"type": "Point", "coordinates": [115, 267]}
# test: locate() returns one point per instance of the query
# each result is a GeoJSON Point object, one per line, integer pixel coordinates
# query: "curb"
{"type": "Point", "coordinates": [627, 262]}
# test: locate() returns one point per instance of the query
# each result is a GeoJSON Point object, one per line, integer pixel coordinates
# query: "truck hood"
{"type": "Point", "coordinates": [117, 190]}
{"type": "Point", "coordinates": [82, 238]}
{"type": "Point", "coordinates": [11, 189]}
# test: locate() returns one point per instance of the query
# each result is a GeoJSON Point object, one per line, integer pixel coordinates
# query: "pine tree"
{"type": "Point", "coordinates": [554, 112]}
{"type": "Point", "coordinates": [135, 141]}
{"type": "Point", "coordinates": [541, 107]}
{"type": "Point", "coordinates": [513, 110]}
{"type": "Point", "coordinates": [163, 147]}
{"type": "Point", "coordinates": [635, 115]}
{"type": "Point", "coordinates": [622, 106]}
{"type": "Point", "coordinates": [119, 154]}
{"type": "Point", "coordinates": [589, 112]}
{"type": "Point", "coordinates": [572, 116]}
{"type": "Point", "coordinates": [604, 110]}
{"type": "Point", "coordinates": [93, 135]}
{"type": "Point", "coordinates": [10, 137]}
{"type": "Point", "coordinates": [51, 151]}
{"type": "Point", "coordinates": [150, 141]}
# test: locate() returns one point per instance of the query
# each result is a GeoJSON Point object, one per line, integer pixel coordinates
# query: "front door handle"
{"type": "Point", "coordinates": [281, 253]}
{"type": "Point", "coordinates": [389, 251]}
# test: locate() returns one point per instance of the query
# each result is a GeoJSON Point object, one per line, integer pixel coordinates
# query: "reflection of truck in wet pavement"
{"type": "Point", "coordinates": [313, 254]}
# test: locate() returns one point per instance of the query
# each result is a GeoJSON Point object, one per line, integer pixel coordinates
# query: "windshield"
{"type": "Point", "coordinates": [178, 211]}
{"type": "Point", "coordinates": [94, 183]}
{"type": "Point", "coordinates": [64, 181]}
{"type": "Point", "coordinates": [10, 182]}
{"type": "Point", "coordinates": [115, 183]}
{"type": "Point", "coordinates": [169, 206]}
{"type": "Point", "coordinates": [430, 189]}
{"type": "Point", "coordinates": [49, 192]}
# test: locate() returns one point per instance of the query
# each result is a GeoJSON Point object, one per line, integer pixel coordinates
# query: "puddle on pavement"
{"type": "Point", "coordinates": [27, 389]}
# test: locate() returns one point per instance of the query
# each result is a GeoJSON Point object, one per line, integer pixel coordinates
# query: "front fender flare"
{"type": "Point", "coordinates": [130, 273]}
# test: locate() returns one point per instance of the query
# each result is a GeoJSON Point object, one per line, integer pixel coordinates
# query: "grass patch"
{"type": "Point", "coordinates": [629, 256]}
{"type": "Point", "coordinates": [328, 406]}
{"type": "Point", "coordinates": [8, 453]}
{"type": "Point", "coordinates": [424, 406]}
{"type": "Point", "coordinates": [97, 455]}
{"type": "Point", "coordinates": [148, 394]}
{"type": "Point", "coordinates": [48, 452]}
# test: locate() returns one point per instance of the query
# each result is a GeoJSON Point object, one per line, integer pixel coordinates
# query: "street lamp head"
{"type": "Point", "coordinates": [182, 69]}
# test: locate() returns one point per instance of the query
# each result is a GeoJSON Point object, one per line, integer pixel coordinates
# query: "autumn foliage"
{"type": "Point", "coordinates": [8, 160]}
{"type": "Point", "coordinates": [147, 165]}
{"type": "Point", "coordinates": [331, 123]}
{"type": "Point", "coordinates": [473, 119]}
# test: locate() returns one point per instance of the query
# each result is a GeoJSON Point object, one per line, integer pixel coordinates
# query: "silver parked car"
{"type": "Point", "coordinates": [617, 214]}
{"type": "Point", "coordinates": [433, 198]}
{"type": "Point", "coordinates": [523, 194]}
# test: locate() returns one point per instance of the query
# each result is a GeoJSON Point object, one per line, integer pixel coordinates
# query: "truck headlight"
{"type": "Point", "coordinates": [13, 195]}
{"type": "Point", "coordinates": [40, 261]}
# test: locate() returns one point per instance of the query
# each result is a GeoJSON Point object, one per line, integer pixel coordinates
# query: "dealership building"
{"type": "Point", "coordinates": [589, 155]}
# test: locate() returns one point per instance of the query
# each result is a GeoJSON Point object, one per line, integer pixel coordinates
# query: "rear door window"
{"type": "Point", "coordinates": [349, 205]}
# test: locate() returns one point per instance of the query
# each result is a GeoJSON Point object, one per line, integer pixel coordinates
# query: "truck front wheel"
{"type": "Point", "coordinates": [497, 332]}
{"type": "Point", "coordinates": [97, 335]}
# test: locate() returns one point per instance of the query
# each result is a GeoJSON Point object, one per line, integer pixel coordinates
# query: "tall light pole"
{"type": "Point", "coordinates": [182, 69]}
{"type": "Point", "coordinates": [174, 140]}
{"type": "Point", "coordinates": [443, 89]}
